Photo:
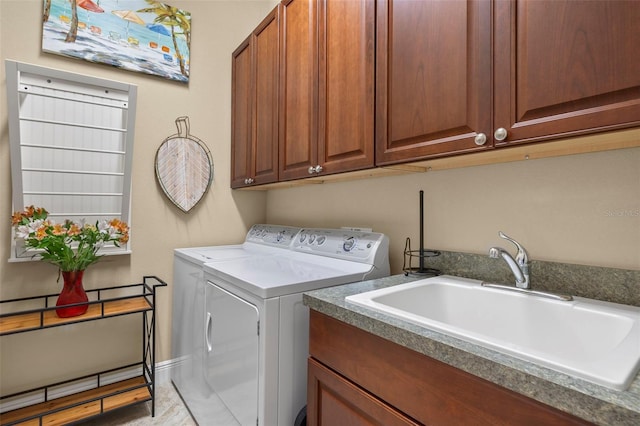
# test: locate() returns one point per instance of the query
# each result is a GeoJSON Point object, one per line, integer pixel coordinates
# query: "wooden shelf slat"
{"type": "Point", "coordinates": [85, 410]}
{"type": "Point", "coordinates": [31, 321]}
{"type": "Point", "coordinates": [20, 322]}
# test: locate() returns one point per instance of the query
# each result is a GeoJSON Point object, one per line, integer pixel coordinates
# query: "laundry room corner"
{"type": "Point", "coordinates": [157, 226]}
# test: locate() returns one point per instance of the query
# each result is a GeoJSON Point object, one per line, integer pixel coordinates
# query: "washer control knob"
{"type": "Point", "coordinates": [321, 240]}
{"type": "Point", "coordinates": [349, 244]}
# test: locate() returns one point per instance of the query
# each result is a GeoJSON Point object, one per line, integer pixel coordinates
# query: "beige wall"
{"type": "Point", "coordinates": [579, 209]}
{"type": "Point", "coordinates": [222, 217]}
{"type": "Point", "coordinates": [582, 209]}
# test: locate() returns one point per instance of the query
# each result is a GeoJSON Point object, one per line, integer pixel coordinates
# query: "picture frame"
{"type": "Point", "coordinates": [144, 36]}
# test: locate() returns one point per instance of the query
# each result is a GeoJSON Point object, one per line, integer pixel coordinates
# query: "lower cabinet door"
{"type": "Point", "coordinates": [333, 400]}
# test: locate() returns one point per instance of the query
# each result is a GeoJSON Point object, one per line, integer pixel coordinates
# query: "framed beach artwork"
{"type": "Point", "coordinates": [145, 36]}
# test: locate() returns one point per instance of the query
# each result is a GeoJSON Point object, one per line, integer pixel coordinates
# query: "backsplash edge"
{"type": "Point", "coordinates": [593, 282]}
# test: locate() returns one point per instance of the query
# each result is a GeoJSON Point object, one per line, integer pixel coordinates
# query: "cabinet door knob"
{"type": "Point", "coordinates": [500, 134]}
{"type": "Point", "coordinates": [312, 170]}
{"type": "Point", "coordinates": [480, 139]}
{"type": "Point", "coordinates": [319, 168]}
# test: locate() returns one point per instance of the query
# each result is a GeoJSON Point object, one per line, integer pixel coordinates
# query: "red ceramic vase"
{"type": "Point", "coordinates": [71, 293]}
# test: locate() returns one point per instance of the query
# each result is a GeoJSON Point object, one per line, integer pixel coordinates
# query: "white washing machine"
{"type": "Point", "coordinates": [257, 327]}
{"type": "Point", "coordinates": [189, 319]}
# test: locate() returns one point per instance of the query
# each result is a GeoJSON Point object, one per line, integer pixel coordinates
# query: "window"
{"type": "Point", "coordinates": [71, 140]}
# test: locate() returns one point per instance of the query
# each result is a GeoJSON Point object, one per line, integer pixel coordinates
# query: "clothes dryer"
{"type": "Point", "coordinates": [189, 319]}
{"type": "Point", "coordinates": [257, 333]}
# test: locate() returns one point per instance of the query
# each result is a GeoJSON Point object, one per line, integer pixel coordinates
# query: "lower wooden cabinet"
{"type": "Point", "coordinates": [334, 400]}
{"type": "Point", "coordinates": [356, 378]}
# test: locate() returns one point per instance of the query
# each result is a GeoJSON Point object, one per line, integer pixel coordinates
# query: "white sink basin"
{"type": "Point", "coordinates": [593, 340]}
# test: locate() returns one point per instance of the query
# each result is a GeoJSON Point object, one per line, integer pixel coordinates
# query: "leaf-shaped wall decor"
{"type": "Point", "coordinates": [184, 167]}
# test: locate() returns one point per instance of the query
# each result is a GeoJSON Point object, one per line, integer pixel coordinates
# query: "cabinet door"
{"type": "Point", "coordinates": [265, 131]}
{"type": "Point", "coordinates": [335, 401]}
{"type": "Point", "coordinates": [433, 78]}
{"type": "Point", "coordinates": [564, 67]}
{"type": "Point", "coordinates": [254, 104]}
{"type": "Point", "coordinates": [346, 85]}
{"type": "Point", "coordinates": [241, 108]}
{"type": "Point", "coordinates": [298, 88]}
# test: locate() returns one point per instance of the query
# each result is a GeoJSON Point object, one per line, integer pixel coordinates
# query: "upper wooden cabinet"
{"type": "Point", "coordinates": [298, 88]}
{"type": "Point", "coordinates": [555, 68]}
{"type": "Point", "coordinates": [433, 78]}
{"type": "Point", "coordinates": [565, 67]}
{"type": "Point", "coordinates": [241, 101]}
{"type": "Point", "coordinates": [326, 86]}
{"type": "Point", "coordinates": [323, 85]}
{"type": "Point", "coordinates": [346, 85]}
{"type": "Point", "coordinates": [254, 129]}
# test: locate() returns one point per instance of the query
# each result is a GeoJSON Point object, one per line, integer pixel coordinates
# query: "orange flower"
{"type": "Point", "coordinates": [74, 230]}
{"type": "Point", "coordinates": [121, 227]}
{"type": "Point", "coordinates": [118, 224]}
{"type": "Point", "coordinates": [58, 229]}
{"type": "Point", "coordinates": [41, 232]}
{"type": "Point", "coordinates": [16, 218]}
{"type": "Point", "coordinates": [29, 213]}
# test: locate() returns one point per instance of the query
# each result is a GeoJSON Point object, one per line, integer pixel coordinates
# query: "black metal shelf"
{"type": "Point", "coordinates": [104, 393]}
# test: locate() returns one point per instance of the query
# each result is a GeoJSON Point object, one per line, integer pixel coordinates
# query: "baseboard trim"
{"type": "Point", "coordinates": [163, 370]}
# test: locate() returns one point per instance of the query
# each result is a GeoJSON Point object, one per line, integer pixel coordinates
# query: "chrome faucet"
{"type": "Point", "coordinates": [519, 266]}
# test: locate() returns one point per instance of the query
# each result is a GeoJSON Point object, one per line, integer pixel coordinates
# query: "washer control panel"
{"type": "Point", "coordinates": [272, 235]}
{"type": "Point", "coordinates": [340, 243]}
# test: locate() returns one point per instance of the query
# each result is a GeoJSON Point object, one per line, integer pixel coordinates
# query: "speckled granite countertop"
{"type": "Point", "coordinates": [595, 403]}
